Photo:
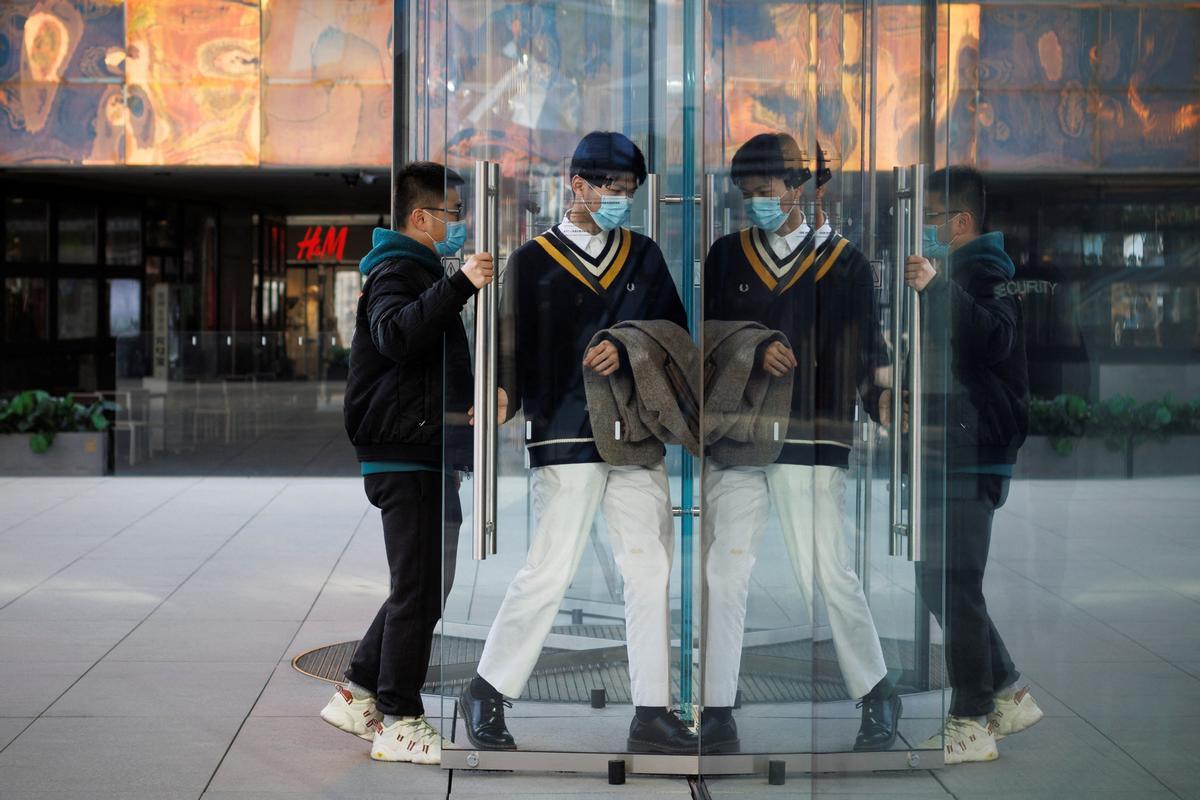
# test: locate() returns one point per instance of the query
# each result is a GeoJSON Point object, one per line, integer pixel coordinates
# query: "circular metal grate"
{"type": "Point", "coordinates": [778, 673]}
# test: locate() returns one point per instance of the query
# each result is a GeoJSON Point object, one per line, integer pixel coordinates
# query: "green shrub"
{"type": "Point", "coordinates": [1119, 421]}
{"type": "Point", "coordinates": [43, 416]}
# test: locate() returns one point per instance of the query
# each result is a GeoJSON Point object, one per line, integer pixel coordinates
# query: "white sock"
{"type": "Point", "coordinates": [359, 692]}
{"type": "Point", "coordinates": [981, 720]}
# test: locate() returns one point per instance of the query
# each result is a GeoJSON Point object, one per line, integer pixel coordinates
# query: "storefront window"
{"type": "Point", "coordinates": [77, 234]}
{"type": "Point", "coordinates": [24, 231]}
{"type": "Point", "coordinates": [123, 238]}
{"type": "Point", "coordinates": [162, 225]}
{"type": "Point", "coordinates": [76, 309]}
{"type": "Point", "coordinates": [124, 308]}
{"type": "Point", "coordinates": [26, 309]}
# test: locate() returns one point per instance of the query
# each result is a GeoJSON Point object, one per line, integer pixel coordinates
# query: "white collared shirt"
{"type": "Point", "coordinates": [592, 244]}
{"type": "Point", "coordinates": [784, 245]}
{"type": "Point", "coordinates": [823, 233]}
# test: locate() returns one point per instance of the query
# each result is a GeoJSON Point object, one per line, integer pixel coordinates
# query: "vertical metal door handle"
{"type": "Point", "coordinates": [898, 530]}
{"type": "Point", "coordinates": [652, 206]}
{"type": "Point", "coordinates": [710, 209]}
{"type": "Point", "coordinates": [487, 191]}
{"type": "Point", "coordinates": [916, 463]}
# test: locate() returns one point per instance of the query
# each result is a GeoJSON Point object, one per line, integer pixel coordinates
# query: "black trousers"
{"type": "Point", "coordinates": [955, 556]}
{"type": "Point", "coordinates": [421, 518]}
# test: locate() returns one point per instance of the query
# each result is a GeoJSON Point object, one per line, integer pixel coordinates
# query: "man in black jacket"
{"type": "Point", "coordinates": [984, 412]}
{"type": "Point", "coordinates": [410, 380]}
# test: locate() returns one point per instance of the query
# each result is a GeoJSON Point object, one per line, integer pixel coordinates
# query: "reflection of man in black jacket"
{"type": "Point", "coordinates": [409, 361]}
{"type": "Point", "coordinates": [987, 417]}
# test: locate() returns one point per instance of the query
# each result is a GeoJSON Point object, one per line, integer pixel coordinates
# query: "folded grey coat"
{"type": "Point", "coordinates": [652, 399]}
{"type": "Point", "coordinates": [746, 409]}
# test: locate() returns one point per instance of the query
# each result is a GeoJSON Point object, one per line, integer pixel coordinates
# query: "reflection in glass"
{"type": "Point", "coordinates": [77, 302]}
{"type": "Point", "coordinates": [793, 301]}
{"type": "Point", "coordinates": [25, 226]}
{"type": "Point", "coordinates": [26, 309]}
{"type": "Point", "coordinates": [77, 234]}
{"type": "Point", "coordinates": [162, 224]}
{"type": "Point", "coordinates": [123, 238]}
{"type": "Point", "coordinates": [124, 308]}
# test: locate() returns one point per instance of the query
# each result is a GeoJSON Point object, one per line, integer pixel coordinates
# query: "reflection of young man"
{"type": "Point", "coordinates": [582, 276]}
{"type": "Point", "coordinates": [409, 361]}
{"type": "Point", "coordinates": [821, 297]}
{"type": "Point", "coordinates": [987, 420]}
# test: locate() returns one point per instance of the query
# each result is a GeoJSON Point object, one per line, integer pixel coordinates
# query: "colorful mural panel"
{"type": "Point", "coordinates": [61, 76]}
{"type": "Point", "coordinates": [193, 77]}
{"type": "Point", "coordinates": [307, 82]}
{"type": "Point", "coordinates": [327, 73]}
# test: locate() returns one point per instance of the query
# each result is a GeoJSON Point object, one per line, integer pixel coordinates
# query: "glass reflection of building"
{"type": "Point", "coordinates": [140, 153]}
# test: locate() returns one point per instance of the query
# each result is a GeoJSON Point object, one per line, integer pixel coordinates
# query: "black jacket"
{"type": "Point", "coordinates": [410, 381]}
{"type": "Point", "coordinates": [988, 403]}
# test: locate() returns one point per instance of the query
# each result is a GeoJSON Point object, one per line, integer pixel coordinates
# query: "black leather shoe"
{"type": "Point", "coordinates": [483, 720]}
{"type": "Point", "coordinates": [718, 734]}
{"type": "Point", "coordinates": [665, 733]}
{"type": "Point", "coordinates": [880, 722]}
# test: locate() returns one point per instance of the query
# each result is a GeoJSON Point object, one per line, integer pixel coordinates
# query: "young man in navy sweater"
{"type": "Point", "coordinates": [817, 289]}
{"type": "Point", "coordinates": [582, 276]}
{"type": "Point", "coordinates": [408, 361]}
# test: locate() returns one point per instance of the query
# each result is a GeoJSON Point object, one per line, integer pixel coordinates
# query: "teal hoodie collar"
{"type": "Point", "coordinates": [986, 248]}
{"type": "Point", "coordinates": [387, 244]}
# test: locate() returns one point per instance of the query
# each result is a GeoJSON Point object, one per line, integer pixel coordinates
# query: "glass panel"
{"type": "Point", "coordinates": [77, 309]}
{"type": "Point", "coordinates": [758, 501]}
{"type": "Point", "coordinates": [162, 224]}
{"type": "Point", "coordinates": [77, 234]}
{"type": "Point", "coordinates": [25, 239]}
{"type": "Point", "coordinates": [811, 613]}
{"type": "Point", "coordinates": [124, 308]}
{"type": "Point", "coordinates": [587, 590]}
{"type": "Point", "coordinates": [26, 309]}
{"type": "Point", "coordinates": [123, 238]}
{"type": "Point", "coordinates": [1069, 113]}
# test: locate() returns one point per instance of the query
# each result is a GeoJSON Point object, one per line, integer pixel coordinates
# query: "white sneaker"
{"type": "Point", "coordinates": [359, 717]}
{"type": "Point", "coordinates": [964, 740]}
{"type": "Point", "coordinates": [1014, 714]}
{"type": "Point", "coordinates": [412, 740]}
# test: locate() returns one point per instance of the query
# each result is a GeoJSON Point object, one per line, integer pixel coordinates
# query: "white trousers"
{"type": "Point", "coordinates": [636, 502]}
{"type": "Point", "coordinates": [808, 500]}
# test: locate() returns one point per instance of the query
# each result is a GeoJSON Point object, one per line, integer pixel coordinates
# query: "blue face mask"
{"type": "Point", "coordinates": [456, 237]}
{"type": "Point", "coordinates": [766, 213]}
{"type": "Point", "coordinates": [931, 245]}
{"type": "Point", "coordinates": [613, 211]}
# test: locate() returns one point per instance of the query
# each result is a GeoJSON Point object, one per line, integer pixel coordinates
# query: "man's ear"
{"type": "Point", "coordinates": [969, 223]}
{"type": "Point", "coordinates": [413, 217]}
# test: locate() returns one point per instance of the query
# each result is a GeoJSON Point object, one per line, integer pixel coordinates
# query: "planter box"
{"type": "Point", "coordinates": [1179, 455]}
{"type": "Point", "coordinates": [1089, 459]}
{"type": "Point", "coordinates": [70, 454]}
